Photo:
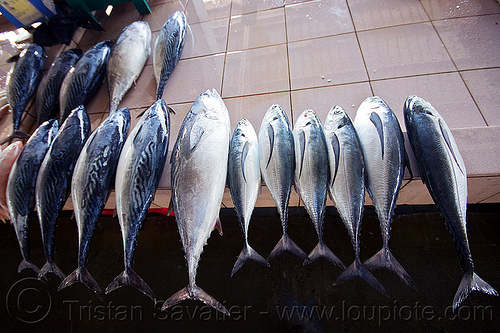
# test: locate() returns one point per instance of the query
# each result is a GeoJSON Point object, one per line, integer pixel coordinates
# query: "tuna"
{"type": "Point", "coordinates": [443, 172]}
{"type": "Point", "coordinates": [7, 159]}
{"type": "Point", "coordinates": [198, 174]}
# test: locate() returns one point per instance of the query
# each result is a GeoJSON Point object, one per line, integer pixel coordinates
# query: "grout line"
{"type": "Point", "coordinates": [288, 68]}
{"type": "Point", "coordinates": [360, 49]}
{"type": "Point", "coordinates": [225, 53]}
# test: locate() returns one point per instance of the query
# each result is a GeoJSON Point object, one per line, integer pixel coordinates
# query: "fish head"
{"type": "Point", "coordinates": [275, 114]}
{"type": "Point", "coordinates": [244, 130]}
{"type": "Point", "coordinates": [336, 119]}
{"type": "Point", "coordinates": [210, 106]}
{"type": "Point", "coordinates": [417, 106]}
{"type": "Point", "coordinates": [307, 118]}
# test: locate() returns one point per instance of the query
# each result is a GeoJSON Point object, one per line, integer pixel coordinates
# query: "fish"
{"type": "Point", "coordinates": [128, 57]}
{"type": "Point", "coordinates": [7, 159]}
{"type": "Point", "coordinates": [22, 82]}
{"type": "Point", "coordinates": [244, 184]}
{"type": "Point", "coordinates": [84, 78]}
{"type": "Point", "coordinates": [348, 190]}
{"type": "Point", "coordinates": [313, 177]}
{"type": "Point", "coordinates": [91, 185]}
{"type": "Point", "coordinates": [384, 154]}
{"type": "Point", "coordinates": [277, 166]}
{"type": "Point", "coordinates": [47, 95]}
{"type": "Point", "coordinates": [442, 170]}
{"type": "Point", "coordinates": [138, 173]}
{"type": "Point", "coordinates": [53, 182]}
{"type": "Point", "coordinates": [21, 186]}
{"type": "Point", "coordinates": [198, 175]}
{"type": "Point", "coordinates": [168, 48]}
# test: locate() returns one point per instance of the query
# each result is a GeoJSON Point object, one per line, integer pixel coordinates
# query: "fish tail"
{"type": "Point", "coordinates": [389, 262]}
{"type": "Point", "coordinates": [130, 278]}
{"type": "Point", "coordinates": [248, 253]}
{"type": "Point", "coordinates": [28, 264]}
{"type": "Point", "coordinates": [81, 274]}
{"type": "Point", "coordinates": [194, 293]}
{"type": "Point", "coordinates": [17, 134]}
{"type": "Point", "coordinates": [321, 250]}
{"type": "Point", "coordinates": [470, 282]}
{"type": "Point", "coordinates": [357, 269]}
{"type": "Point", "coordinates": [51, 267]}
{"type": "Point", "coordinates": [287, 244]}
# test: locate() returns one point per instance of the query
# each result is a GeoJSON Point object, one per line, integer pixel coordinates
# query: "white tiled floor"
{"type": "Point", "coordinates": [319, 53]}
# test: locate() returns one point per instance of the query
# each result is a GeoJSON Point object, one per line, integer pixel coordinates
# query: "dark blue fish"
{"type": "Point", "coordinates": [84, 78]}
{"type": "Point", "coordinates": [53, 182]}
{"type": "Point", "coordinates": [137, 176]}
{"type": "Point", "coordinates": [47, 96]}
{"type": "Point", "coordinates": [92, 182]}
{"type": "Point", "coordinates": [21, 186]}
{"type": "Point", "coordinates": [23, 80]}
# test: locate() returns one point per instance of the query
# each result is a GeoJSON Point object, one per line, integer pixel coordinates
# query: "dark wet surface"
{"type": "Point", "coordinates": [286, 297]}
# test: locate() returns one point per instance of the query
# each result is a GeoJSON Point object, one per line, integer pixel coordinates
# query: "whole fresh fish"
{"type": "Point", "coordinates": [168, 48]}
{"type": "Point", "coordinates": [348, 189]}
{"type": "Point", "coordinates": [443, 172]}
{"type": "Point", "coordinates": [22, 81]}
{"type": "Point", "coordinates": [84, 78]}
{"type": "Point", "coordinates": [47, 96]}
{"type": "Point", "coordinates": [91, 185]}
{"type": "Point", "coordinates": [21, 186]}
{"type": "Point", "coordinates": [277, 166]}
{"type": "Point", "coordinates": [54, 178]}
{"type": "Point", "coordinates": [244, 184]}
{"type": "Point", "coordinates": [198, 173]}
{"type": "Point", "coordinates": [313, 177]}
{"type": "Point", "coordinates": [127, 59]}
{"type": "Point", "coordinates": [383, 147]}
{"type": "Point", "coordinates": [138, 173]}
{"type": "Point", "coordinates": [7, 159]}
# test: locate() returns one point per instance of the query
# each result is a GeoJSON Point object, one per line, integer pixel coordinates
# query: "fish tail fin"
{"type": "Point", "coordinates": [287, 244]}
{"type": "Point", "coordinates": [81, 274]}
{"type": "Point", "coordinates": [130, 278]}
{"type": "Point", "coordinates": [18, 134]}
{"type": "Point", "coordinates": [194, 293]}
{"type": "Point", "coordinates": [51, 267]}
{"type": "Point", "coordinates": [470, 282]}
{"type": "Point", "coordinates": [28, 264]}
{"type": "Point", "coordinates": [321, 250]}
{"type": "Point", "coordinates": [389, 262]}
{"type": "Point", "coordinates": [357, 269]}
{"type": "Point", "coordinates": [248, 253]}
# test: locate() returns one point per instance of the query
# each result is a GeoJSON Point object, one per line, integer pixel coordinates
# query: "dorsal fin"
{"type": "Point", "coordinates": [375, 119]}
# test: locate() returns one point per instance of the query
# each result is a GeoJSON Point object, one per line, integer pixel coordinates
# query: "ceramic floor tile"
{"type": "Point", "coordinates": [202, 11]}
{"type": "Point", "coordinates": [181, 110]}
{"type": "Point", "coordinates": [312, 66]}
{"type": "Point", "coordinates": [160, 14]}
{"type": "Point", "coordinates": [484, 86]}
{"type": "Point", "coordinates": [441, 9]}
{"type": "Point", "coordinates": [493, 199]}
{"type": "Point", "coordinates": [143, 94]}
{"type": "Point", "coordinates": [482, 188]}
{"type": "Point", "coordinates": [446, 92]}
{"type": "Point", "coordinates": [257, 29]}
{"type": "Point", "coordinates": [403, 51]}
{"type": "Point", "coordinates": [248, 6]}
{"type": "Point", "coordinates": [255, 107]}
{"type": "Point", "coordinates": [121, 16]}
{"type": "Point", "coordinates": [162, 197]}
{"type": "Point", "coordinates": [256, 71]}
{"type": "Point", "coordinates": [321, 100]}
{"type": "Point", "coordinates": [95, 120]}
{"type": "Point", "coordinates": [99, 103]}
{"type": "Point", "coordinates": [473, 41]}
{"type": "Point", "coordinates": [206, 38]}
{"type": "Point", "coordinates": [317, 19]}
{"type": "Point", "coordinates": [191, 77]}
{"type": "Point", "coordinates": [370, 14]}
{"type": "Point", "coordinates": [415, 193]}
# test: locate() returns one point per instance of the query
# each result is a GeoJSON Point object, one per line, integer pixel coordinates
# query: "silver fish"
{"type": "Point", "coordinates": [84, 78]}
{"type": "Point", "coordinates": [443, 172]}
{"type": "Point", "coordinates": [137, 176]}
{"type": "Point", "coordinates": [199, 170]}
{"type": "Point", "coordinates": [277, 166]}
{"type": "Point", "coordinates": [348, 189]}
{"type": "Point", "coordinates": [384, 154]}
{"type": "Point", "coordinates": [168, 48]}
{"type": "Point", "coordinates": [21, 186]}
{"type": "Point", "coordinates": [244, 184]}
{"type": "Point", "coordinates": [127, 59]}
{"type": "Point", "coordinates": [54, 179]}
{"type": "Point", "coordinates": [47, 95]}
{"type": "Point", "coordinates": [91, 185]}
{"type": "Point", "coordinates": [313, 177]}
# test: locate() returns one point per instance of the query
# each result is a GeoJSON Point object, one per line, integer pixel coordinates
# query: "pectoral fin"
{"type": "Point", "coordinates": [375, 119]}
{"type": "Point", "coordinates": [270, 133]}
{"type": "Point", "coordinates": [448, 143]}
{"type": "Point", "coordinates": [336, 151]}
{"type": "Point", "coordinates": [244, 154]}
{"type": "Point", "coordinates": [302, 146]}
